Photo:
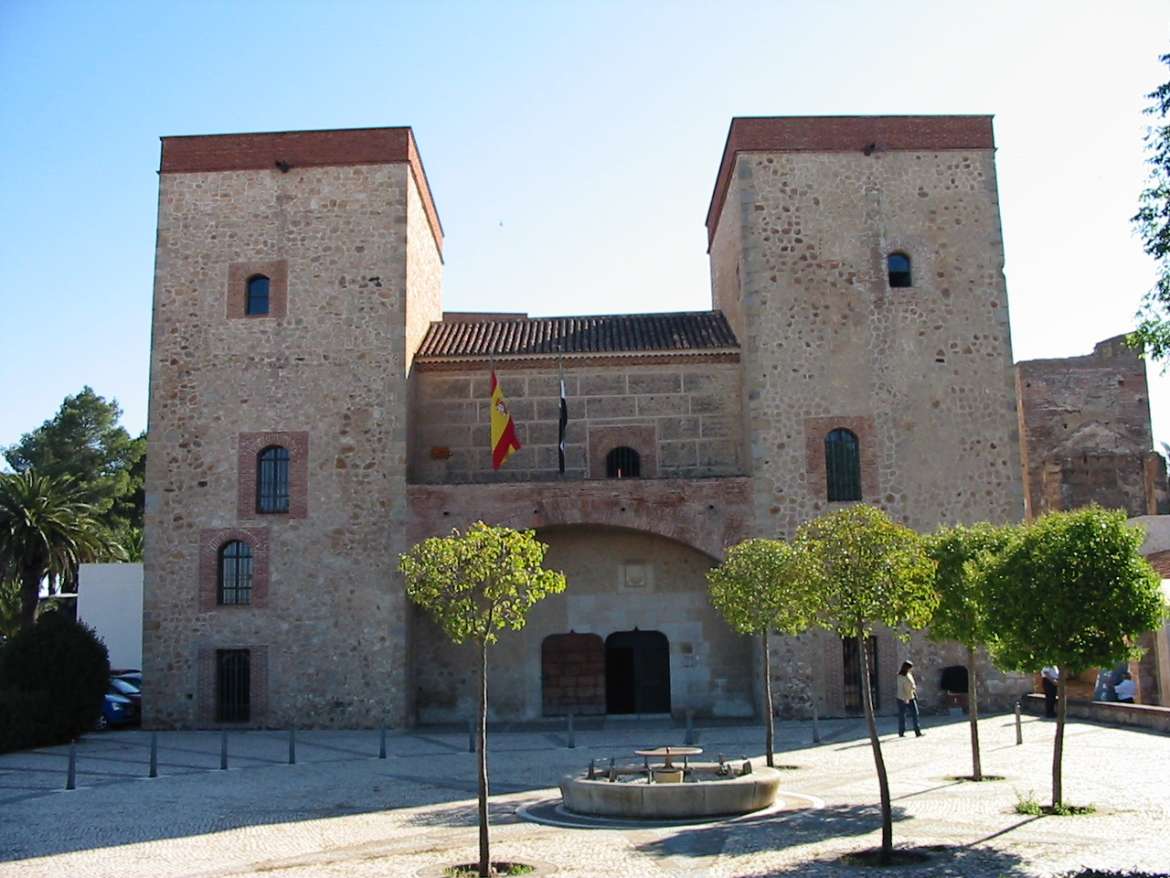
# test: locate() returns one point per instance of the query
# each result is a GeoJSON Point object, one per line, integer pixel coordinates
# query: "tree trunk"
{"type": "Point", "coordinates": [973, 713]}
{"type": "Point", "coordinates": [769, 730]}
{"type": "Point", "coordinates": [30, 594]}
{"type": "Point", "coordinates": [1058, 745]}
{"type": "Point", "coordinates": [485, 862]}
{"type": "Point", "coordinates": [879, 763]}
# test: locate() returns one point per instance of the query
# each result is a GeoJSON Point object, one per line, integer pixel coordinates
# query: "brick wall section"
{"type": "Point", "coordinates": [1085, 431]}
{"type": "Point", "coordinates": [691, 411]}
{"type": "Point", "coordinates": [250, 446]}
{"type": "Point", "coordinates": [210, 542]}
{"type": "Point", "coordinates": [843, 134]}
{"type": "Point", "coordinates": [276, 270]}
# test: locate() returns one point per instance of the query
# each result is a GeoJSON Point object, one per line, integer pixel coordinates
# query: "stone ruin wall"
{"type": "Point", "coordinates": [1086, 435]}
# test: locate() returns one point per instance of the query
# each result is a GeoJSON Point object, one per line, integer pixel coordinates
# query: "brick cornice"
{"type": "Point", "coordinates": [267, 151]}
{"type": "Point", "coordinates": [842, 134]}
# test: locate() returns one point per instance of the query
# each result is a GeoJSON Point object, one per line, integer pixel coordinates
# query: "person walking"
{"type": "Point", "coordinates": [1049, 677]}
{"type": "Point", "coordinates": [907, 700]}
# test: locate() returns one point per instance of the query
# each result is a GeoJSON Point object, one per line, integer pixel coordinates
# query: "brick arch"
{"type": "Point", "coordinates": [707, 515]}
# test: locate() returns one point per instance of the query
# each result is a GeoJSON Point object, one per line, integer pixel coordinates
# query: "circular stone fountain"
{"type": "Point", "coordinates": [707, 789]}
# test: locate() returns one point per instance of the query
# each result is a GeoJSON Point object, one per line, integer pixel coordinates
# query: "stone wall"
{"type": "Point", "coordinates": [329, 642]}
{"type": "Point", "coordinates": [824, 336]}
{"type": "Point", "coordinates": [711, 669]}
{"type": "Point", "coordinates": [683, 419]}
{"type": "Point", "coordinates": [1085, 432]}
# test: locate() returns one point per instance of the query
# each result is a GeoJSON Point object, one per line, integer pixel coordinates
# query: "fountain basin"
{"type": "Point", "coordinates": [708, 796]}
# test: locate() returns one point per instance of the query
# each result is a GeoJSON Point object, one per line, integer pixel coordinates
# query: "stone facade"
{"type": "Point", "coordinates": [1085, 433]}
{"type": "Point", "coordinates": [382, 403]}
{"type": "Point", "coordinates": [331, 363]}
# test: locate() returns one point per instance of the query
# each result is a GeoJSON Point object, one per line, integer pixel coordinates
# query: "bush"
{"type": "Point", "coordinates": [54, 677]}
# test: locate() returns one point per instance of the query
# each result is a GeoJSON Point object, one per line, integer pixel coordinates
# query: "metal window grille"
{"type": "Point", "coordinates": [898, 266]}
{"type": "Point", "coordinates": [233, 685]}
{"type": "Point", "coordinates": [851, 655]}
{"type": "Point", "coordinates": [235, 573]}
{"type": "Point", "coordinates": [623, 463]}
{"type": "Point", "coordinates": [272, 480]}
{"type": "Point", "coordinates": [842, 465]}
{"type": "Point", "coordinates": [257, 302]}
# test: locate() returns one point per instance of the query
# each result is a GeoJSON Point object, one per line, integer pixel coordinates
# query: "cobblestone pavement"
{"type": "Point", "coordinates": [341, 811]}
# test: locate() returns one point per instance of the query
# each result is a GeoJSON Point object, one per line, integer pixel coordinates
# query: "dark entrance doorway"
{"type": "Point", "coordinates": [637, 672]}
{"type": "Point", "coordinates": [572, 674]}
{"type": "Point", "coordinates": [852, 661]}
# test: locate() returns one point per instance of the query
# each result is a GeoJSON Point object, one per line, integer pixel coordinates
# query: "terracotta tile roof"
{"type": "Point", "coordinates": [673, 333]}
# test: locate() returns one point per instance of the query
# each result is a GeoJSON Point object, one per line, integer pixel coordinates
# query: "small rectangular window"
{"type": "Point", "coordinates": [233, 685]}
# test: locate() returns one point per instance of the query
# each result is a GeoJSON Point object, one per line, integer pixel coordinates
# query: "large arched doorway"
{"type": "Point", "coordinates": [637, 672]}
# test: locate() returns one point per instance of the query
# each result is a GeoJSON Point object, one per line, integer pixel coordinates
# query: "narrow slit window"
{"type": "Point", "coordinates": [898, 266]}
{"type": "Point", "coordinates": [257, 295]}
{"type": "Point", "coordinates": [235, 574]}
{"type": "Point", "coordinates": [233, 685]}
{"type": "Point", "coordinates": [272, 489]}
{"type": "Point", "coordinates": [842, 465]}
{"type": "Point", "coordinates": [623, 463]}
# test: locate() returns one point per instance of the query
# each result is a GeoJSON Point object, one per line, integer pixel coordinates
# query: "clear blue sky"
{"type": "Point", "coordinates": [571, 147]}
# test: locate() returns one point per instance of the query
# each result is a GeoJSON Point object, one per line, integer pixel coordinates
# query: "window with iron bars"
{"type": "Point", "coordinates": [272, 489]}
{"type": "Point", "coordinates": [233, 685]}
{"type": "Point", "coordinates": [842, 465]}
{"type": "Point", "coordinates": [235, 574]}
{"type": "Point", "coordinates": [623, 463]}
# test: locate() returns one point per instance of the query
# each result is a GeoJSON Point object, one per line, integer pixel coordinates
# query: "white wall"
{"type": "Point", "coordinates": [109, 600]}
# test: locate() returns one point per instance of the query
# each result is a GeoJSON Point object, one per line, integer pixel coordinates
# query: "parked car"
{"type": "Point", "coordinates": [117, 710]}
{"type": "Point", "coordinates": [130, 675]}
{"type": "Point", "coordinates": [123, 687]}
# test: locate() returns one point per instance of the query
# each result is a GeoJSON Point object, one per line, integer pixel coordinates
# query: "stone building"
{"type": "Point", "coordinates": [313, 412]}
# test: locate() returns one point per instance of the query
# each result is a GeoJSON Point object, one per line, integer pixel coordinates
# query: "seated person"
{"type": "Point", "coordinates": [1125, 690]}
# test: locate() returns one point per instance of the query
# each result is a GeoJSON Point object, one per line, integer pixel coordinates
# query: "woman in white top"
{"type": "Point", "coordinates": [907, 700]}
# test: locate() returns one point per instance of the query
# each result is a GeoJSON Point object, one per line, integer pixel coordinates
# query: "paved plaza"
{"type": "Point", "coordinates": [342, 811]}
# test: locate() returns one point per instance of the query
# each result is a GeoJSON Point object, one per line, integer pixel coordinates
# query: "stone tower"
{"type": "Point", "coordinates": [295, 276]}
{"type": "Point", "coordinates": [860, 262]}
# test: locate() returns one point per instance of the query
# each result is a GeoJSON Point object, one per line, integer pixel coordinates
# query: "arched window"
{"type": "Point", "coordinates": [235, 574]}
{"type": "Point", "coordinates": [257, 295]}
{"type": "Point", "coordinates": [272, 479]}
{"type": "Point", "coordinates": [842, 465]}
{"type": "Point", "coordinates": [898, 266]}
{"type": "Point", "coordinates": [623, 463]}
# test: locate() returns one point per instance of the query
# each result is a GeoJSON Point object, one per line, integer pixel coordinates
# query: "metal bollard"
{"type": "Point", "coordinates": [223, 750]}
{"type": "Point", "coordinates": [592, 769]}
{"type": "Point", "coordinates": [292, 745]}
{"type": "Point", "coordinates": [1019, 728]}
{"type": "Point", "coordinates": [71, 772]}
{"type": "Point", "coordinates": [153, 755]}
{"type": "Point", "coordinates": [471, 736]}
{"type": "Point", "coordinates": [572, 733]}
{"type": "Point", "coordinates": [382, 743]}
{"type": "Point", "coordinates": [816, 726]}
{"type": "Point", "coordinates": [690, 738]}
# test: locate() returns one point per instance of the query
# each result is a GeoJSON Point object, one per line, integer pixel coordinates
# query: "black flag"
{"type": "Point", "coordinates": [564, 424]}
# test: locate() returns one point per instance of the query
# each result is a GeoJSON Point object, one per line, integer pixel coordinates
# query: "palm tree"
{"type": "Point", "coordinates": [46, 528]}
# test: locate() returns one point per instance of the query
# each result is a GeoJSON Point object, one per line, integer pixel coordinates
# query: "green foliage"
{"type": "Point", "coordinates": [55, 676]}
{"type": "Point", "coordinates": [479, 582]}
{"type": "Point", "coordinates": [84, 441]}
{"type": "Point", "coordinates": [866, 569]}
{"type": "Point", "coordinates": [9, 606]}
{"type": "Point", "coordinates": [1152, 222]}
{"type": "Point", "coordinates": [962, 555]}
{"type": "Point", "coordinates": [759, 587]}
{"type": "Point", "coordinates": [46, 528]}
{"type": "Point", "coordinates": [1072, 590]}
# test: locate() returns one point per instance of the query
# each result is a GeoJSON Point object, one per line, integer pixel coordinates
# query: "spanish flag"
{"type": "Point", "coordinates": [504, 440]}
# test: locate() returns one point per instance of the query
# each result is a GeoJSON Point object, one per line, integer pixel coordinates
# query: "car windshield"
{"type": "Point", "coordinates": [122, 687]}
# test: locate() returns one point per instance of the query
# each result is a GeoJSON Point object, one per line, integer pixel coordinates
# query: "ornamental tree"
{"type": "Point", "coordinates": [475, 584]}
{"type": "Point", "coordinates": [1152, 222]}
{"type": "Point", "coordinates": [758, 589]}
{"type": "Point", "coordinates": [867, 570]}
{"type": "Point", "coordinates": [1073, 591]}
{"type": "Point", "coordinates": [961, 555]}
